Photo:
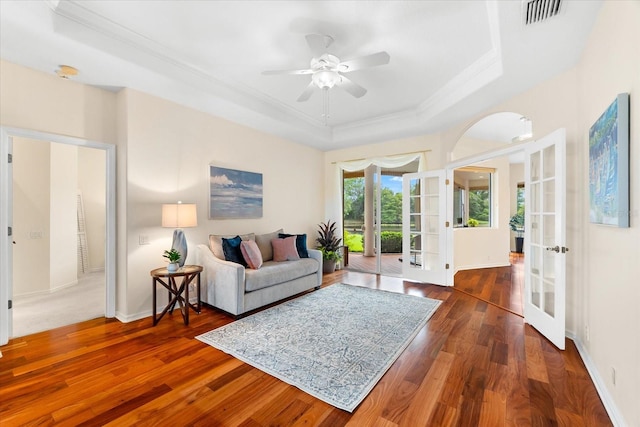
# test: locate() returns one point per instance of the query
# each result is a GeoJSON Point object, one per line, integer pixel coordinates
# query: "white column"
{"type": "Point", "coordinates": [369, 237]}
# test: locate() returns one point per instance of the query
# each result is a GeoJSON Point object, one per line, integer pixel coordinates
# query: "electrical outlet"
{"type": "Point", "coordinates": [143, 239]}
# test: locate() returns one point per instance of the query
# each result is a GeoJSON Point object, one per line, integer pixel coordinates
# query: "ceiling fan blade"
{"type": "Point", "coordinates": [351, 87]}
{"type": "Point", "coordinates": [273, 72]}
{"type": "Point", "coordinates": [373, 60]}
{"type": "Point", "coordinates": [306, 94]}
{"type": "Point", "coordinates": [318, 43]}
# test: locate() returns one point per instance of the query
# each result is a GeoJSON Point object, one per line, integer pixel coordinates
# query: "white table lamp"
{"type": "Point", "coordinates": [179, 215]}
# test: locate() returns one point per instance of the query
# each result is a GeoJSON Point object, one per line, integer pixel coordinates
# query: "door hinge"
{"type": "Point", "coordinates": [446, 223]}
{"type": "Point", "coordinates": [9, 231]}
{"type": "Point", "coordinates": [446, 266]}
{"type": "Point", "coordinates": [10, 304]}
{"type": "Point", "coordinates": [10, 160]}
{"type": "Point", "coordinates": [446, 181]}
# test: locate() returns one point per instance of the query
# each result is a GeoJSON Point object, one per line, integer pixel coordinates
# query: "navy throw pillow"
{"type": "Point", "coordinates": [232, 251]}
{"type": "Point", "coordinates": [301, 243]}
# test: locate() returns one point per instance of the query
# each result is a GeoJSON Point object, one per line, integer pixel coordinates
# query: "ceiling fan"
{"type": "Point", "coordinates": [328, 71]}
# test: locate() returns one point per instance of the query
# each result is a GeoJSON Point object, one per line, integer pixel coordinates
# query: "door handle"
{"type": "Point", "coordinates": [556, 249]}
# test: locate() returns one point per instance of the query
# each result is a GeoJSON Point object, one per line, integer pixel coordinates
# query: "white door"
{"type": "Point", "coordinates": [545, 234]}
{"type": "Point", "coordinates": [6, 239]}
{"type": "Point", "coordinates": [423, 227]}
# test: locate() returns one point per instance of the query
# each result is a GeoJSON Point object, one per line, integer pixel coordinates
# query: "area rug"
{"type": "Point", "coordinates": [334, 344]}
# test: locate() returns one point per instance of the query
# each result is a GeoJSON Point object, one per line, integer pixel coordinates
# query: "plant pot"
{"type": "Point", "coordinates": [519, 244]}
{"type": "Point", "coordinates": [328, 266]}
{"type": "Point", "coordinates": [172, 267]}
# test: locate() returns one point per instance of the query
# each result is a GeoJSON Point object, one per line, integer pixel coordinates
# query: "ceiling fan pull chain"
{"type": "Point", "coordinates": [325, 105]}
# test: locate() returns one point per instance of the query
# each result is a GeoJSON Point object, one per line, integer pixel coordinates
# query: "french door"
{"type": "Point", "coordinates": [545, 236]}
{"type": "Point", "coordinates": [424, 236]}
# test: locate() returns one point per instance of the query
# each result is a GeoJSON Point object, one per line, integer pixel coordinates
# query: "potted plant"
{"type": "Point", "coordinates": [517, 224]}
{"type": "Point", "coordinates": [471, 222]}
{"type": "Point", "coordinates": [329, 245]}
{"type": "Point", "coordinates": [173, 256]}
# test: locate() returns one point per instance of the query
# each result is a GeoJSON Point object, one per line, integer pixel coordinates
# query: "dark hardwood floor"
{"type": "Point", "coordinates": [500, 286]}
{"type": "Point", "coordinates": [472, 364]}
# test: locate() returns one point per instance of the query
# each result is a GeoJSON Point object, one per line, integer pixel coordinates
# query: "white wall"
{"type": "Point", "coordinates": [63, 241]}
{"type": "Point", "coordinates": [609, 290]}
{"type": "Point", "coordinates": [169, 150]}
{"type": "Point", "coordinates": [30, 216]}
{"type": "Point", "coordinates": [91, 182]}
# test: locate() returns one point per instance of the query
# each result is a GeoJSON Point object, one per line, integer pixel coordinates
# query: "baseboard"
{"type": "Point", "coordinates": [46, 291]}
{"type": "Point", "coordinates": [603, 392]}
{"type": "Point", "coordinates": [474, 267]}
{"type": "Point", "coordinates": [126, 318]}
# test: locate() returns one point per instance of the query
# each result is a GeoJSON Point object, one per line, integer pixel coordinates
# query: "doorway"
{"type": "Point", "coordinates": [484, 242]}
{"type": "Point", "coordinates": [7, 136]}
{"type": "Point", "coordinates": [59, 228]}
{"type": "Point", "coordinates": [372, 218]}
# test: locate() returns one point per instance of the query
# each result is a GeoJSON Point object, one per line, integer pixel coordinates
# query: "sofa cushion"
{"type": "Point", "coordinates": [215, 242]}
{"type": "Point", "coordinates": [264, 243]}
{"type": "Point", "coordinates": [301, 243]}
{"type": "Point", "coordinates": [285, 249]}
{"type": "Point", "coordinates": [273, 273]}
{"type": "Point", "coordinates": [251, 254]}
{"type": "Point", "coordinates": [232, 251]}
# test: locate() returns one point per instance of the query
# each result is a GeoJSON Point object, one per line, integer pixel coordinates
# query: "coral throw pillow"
{"type": "Point", "coordinates": [285, 249]}
{"type": "Point", "coordinates": [251, 253]}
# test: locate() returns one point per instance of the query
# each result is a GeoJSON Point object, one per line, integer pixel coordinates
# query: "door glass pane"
{"type": "Point", "coordinates": [549, 298]}
{"type": "Point", "coordinates": [414, 204]}
{"type": "Point", "coordinates": [415, 222]}
{"type": "Point", "coordinates": [535, 229]}
{"type": "Point", "coordinates": [535, 166]}
{"type": "Point", "coordinates": [431, 262]}
{"type": "Point", "coordinates": [414, 187]}
{"type": "Point", "coordinates": [549, 154]}
{"type": "Point", "coordinates": [535, 197]}
{"type": "Point", "coordinates": [535, 291]}
{"type": "Point", "coordinates": [549, 196]}
{"type": "Point", "coordinates": [432, 224]}
{"type": "Point", "coordinates": [549, 265]}
{"type": "Point", "coordinates": [549, 230]}
{"type": "Point", "coordinates": [431, 185]}
{"type": "Point", "coordinates": [535, 260]}
{"type": "Point", "coordinates": [432, 207]}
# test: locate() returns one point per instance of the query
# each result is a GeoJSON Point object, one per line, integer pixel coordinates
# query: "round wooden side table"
{"type": "Point", "coordinates": [168, 280]}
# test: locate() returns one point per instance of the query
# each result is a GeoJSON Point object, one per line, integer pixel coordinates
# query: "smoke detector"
{"type": "Point", "coordinates": [66, 71]}
{"type": "Point", "coordinates": [539, 10]}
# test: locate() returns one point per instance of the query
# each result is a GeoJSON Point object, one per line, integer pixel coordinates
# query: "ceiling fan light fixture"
{"type": "Point", "coordinates": [325, 79]}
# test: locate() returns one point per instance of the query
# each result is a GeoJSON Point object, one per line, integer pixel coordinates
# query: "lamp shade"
{"type": "Point", "coordinates": [179, 215]}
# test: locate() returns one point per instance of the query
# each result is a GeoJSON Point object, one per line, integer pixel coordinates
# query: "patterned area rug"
{"type": "Point", "coordinates": [335, 343]}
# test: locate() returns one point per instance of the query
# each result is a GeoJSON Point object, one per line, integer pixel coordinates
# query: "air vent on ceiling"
{"type": "Point", "coordinates": [540, 10]}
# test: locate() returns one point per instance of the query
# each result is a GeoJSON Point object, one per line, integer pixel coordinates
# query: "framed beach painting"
{"type": "Point", "coordinates": [609, 165]}
{"type": "Point", "coordinates": [234, 193]}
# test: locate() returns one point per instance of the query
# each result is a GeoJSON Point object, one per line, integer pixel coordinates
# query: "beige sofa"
{"type": "Point", "coordinates": [236, 289]}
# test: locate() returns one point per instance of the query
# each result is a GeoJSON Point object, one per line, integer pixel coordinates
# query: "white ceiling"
{"type": "Point", "coordinates": [449, 60]}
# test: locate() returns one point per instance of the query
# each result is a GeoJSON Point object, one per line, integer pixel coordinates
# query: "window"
{"type": "Point", "coordinates": [472, 196]}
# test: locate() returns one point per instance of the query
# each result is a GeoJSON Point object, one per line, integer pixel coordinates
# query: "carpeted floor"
{"type": "Point", "coordinates": [335, 343]}
{"type": "Point", "coordinates": [37, 313]}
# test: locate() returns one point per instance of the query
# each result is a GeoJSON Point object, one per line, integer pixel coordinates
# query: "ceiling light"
{"type": "Point", "coordinates": [526, 130]}
{"type": "Point", "coordinates": [66, 71]}
{"type": "Point", "coordinates": [325, 79]}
